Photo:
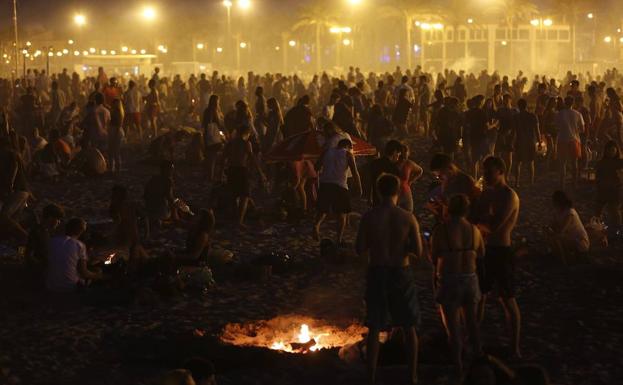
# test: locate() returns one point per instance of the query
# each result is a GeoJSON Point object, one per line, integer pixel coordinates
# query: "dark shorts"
{"type": "Point", "coordinates": [391, 298]}
{"type": "Point", "coordinates": [499, 271]}
{"type": "Point", "coordinates": [333, 198]}
{"type": "Point", "coordinates": [238, 181]}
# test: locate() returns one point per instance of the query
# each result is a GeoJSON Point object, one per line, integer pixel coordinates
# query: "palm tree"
{"type": "Point", "coordinates": [321, 18]}
{"type": "Point", "coordinates": [409, 11]}
{"type": "Point", "coordinates": [512, 11]}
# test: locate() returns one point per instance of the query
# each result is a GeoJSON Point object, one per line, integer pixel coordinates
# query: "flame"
{"type": "Point", "coordinates": [281, 332]}
{"type": "Point", "coordinates": [108, 260]}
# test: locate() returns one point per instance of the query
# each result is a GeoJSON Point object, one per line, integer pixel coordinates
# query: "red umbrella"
{"type": "Point", "coordinates": [309, 146]}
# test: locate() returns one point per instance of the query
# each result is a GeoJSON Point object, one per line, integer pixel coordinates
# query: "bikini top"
{"type": "Point", "coordinates": [463, 250]}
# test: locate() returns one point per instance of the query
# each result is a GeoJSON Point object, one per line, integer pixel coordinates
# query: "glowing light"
{"type": "Point", "coordinates": [143, 52]}
{"type": "Point", "coordinates": [28, 44]}
{"type": "Point", "coordinates": [590, 15]}
{"type": "Point", "coordinates": [85, 53]}
{"type": "Point", "coordinates": [426, 26]}
{"type": "Point", "coordinates": [244, 4]}
{"type": "Point", "coordinates": [548, 22]}
{"type": "Point", "coordinates": [133, 52]}
{"type": "Point", "coordinates": [417, 23]}
{"type": "Point", "coordinates": [160, 47]}
{"type": "Point", "coordinates": [277, 48]}
{"type": "Point", "coordinates": [535, 22]}
{"type": "Point", "coordinates": [76, 53]}
{"type": "Point", "coordinates": [227, 3]}
{"type": "Point", "coordinates": [65, 51]}
{"type": "Point", "coordinates": [416, 48]}
{"type": "Point", "coordinates": [80, 19]}
{"type": "Point", "coordinates": [92, 50]}
{"type": "Point", "coordinates": [113, 52]}
{"type": "Point", "coordinates": [619, 30]}
{"type": "Point", "coordinates": [202, 67]}
{"type": "Point", "coordinates": [292, 43]}
{"type": "Point", "coordinates": [355, 2]}
{"type": "Point", "coordinates": [5, 56]}
{"type": "Point", "coordinates": [103, 52]}
{"type": "Point", "coordinates": [124, 49]}
{"type": "Point", "coordinates": [149, 13]}
{"type": "Point", "coordinates": [243, 44]}
{"type": "Point", "coordinates": [608, 39]}
{"type": "Point", "coordinates": [504, 42]}
{"type": "Point", "coordinates": [346, 42]}
{"type": "Point", "coordinates": [70, 42]}
{"type": "Point", "coordinates": [219, 49]}
{"type": "Point", "coordinates": [621, 40]}
{"type": "Point", "coordinates": [470, 21]}
{"type": "Point", "coordinates": [24, 51]}
{"type": "Point", "coordinates": [340, 30]}
{"type": "Point", "coordinates": [438, 26]}
{"type": "Point", "coordinates": [59, 53]}
{"type": "Point", "coordinates": [200, 46]}
{"type": "Point", "coordinates": [50, 53]}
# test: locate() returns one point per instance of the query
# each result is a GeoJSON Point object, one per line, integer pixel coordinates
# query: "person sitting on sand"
{"type": "Point", "coordinates": [199, 239]}
{"type": "Point", "coordinates": [67, 261]}
{"type": "Point", "coordinates": [387, 234]}
{"type": "Point", "coordinates": [159, 197]}
{"type": "Point", "coordinates": [456, 245]}
{"type": "Point", "coordinates": [38, 245]}
{"type": "Point", "coordinates": [567, 233]}
{"type": "Point", "coordinates": [89, 160]}
{"type": "Point", "coordinates": [202, 370]}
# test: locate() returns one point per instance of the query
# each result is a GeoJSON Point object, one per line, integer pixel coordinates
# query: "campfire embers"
{"type": "Point", "coordinates": [292, 334]}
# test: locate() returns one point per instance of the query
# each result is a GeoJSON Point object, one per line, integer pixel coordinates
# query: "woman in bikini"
{"type": "Point", "coordinates": [456, 244]}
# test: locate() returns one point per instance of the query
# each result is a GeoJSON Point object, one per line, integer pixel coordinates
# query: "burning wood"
{"type": "Point", "coordinates": [292, 334]}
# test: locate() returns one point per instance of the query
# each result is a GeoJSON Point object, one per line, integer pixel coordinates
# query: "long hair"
{"type": "Point", "coordinates": [275, 108]}
{"type": "Point", "coordinates": [212, 113]}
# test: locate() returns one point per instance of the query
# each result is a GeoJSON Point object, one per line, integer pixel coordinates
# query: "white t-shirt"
{"type": "Point", "coordinates": [570, 125]}
{"type": "Point", "coordinates": [574, 231]}
{"type": "Point", "coordinates": [133, 100]}
{"type": "Point", "coordinates": [65, 252]}
{"type": "Point", "coordinates": [335, 167]}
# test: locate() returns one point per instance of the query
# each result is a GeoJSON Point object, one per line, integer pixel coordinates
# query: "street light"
{"type": "Point", "coordinates": [219, 49]}
{"type": "Point", "coordinates": [148, 13]}
{"type": "Point", "coordinates": [470, 21]}
{"type": "Point", "coordinates": [292, 43]}
{"type": "Point", "coordinates": [244, 4]}
{"type": "Point", "coordinates": [548, 22]}
{"type": "Point", "coordinates": [92, 50]}
{"type": "Point", "coordinates": [590, 15]}
{"type": "Point", "coordinates": [70, 42]}
{"type": "Point", "coordinates": [243, 44]}
{"type": "Point", "coordinates": [80, 20]}
{"type": "Point", "coordinates": [535, 22]}
{"type": "Point", "coordinates": [200, 46]}
{"type": "Point", "coordinates": [608, 39]}
{"type": "Point", "coordinates": [355, 2]}
{"type": "Point", "coordinates": [124, 49]}
{"type": "Point", "coordinates": [346, 42]}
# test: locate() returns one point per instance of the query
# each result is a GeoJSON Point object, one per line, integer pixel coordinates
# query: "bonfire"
{"type": "Point", "coordinates": [292, 334]}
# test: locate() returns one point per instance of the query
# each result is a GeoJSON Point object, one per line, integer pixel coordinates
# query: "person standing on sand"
{"type": "Point", "coordinates": [333, 193]}
{"type": "Point", "coordinates": [499, 209]}
{"type": "Point", "coordinates": [570, 126]}
{"type": "Point", "coordinates": [387, 234]}
{"type": "Point", "coordinates": [238, 153]}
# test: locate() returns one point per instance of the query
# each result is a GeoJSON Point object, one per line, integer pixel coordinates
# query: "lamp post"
{"type": "Point", "coordinates": [339, 31]}
{"type": "Point", "coordinates": [228, 4]}
{"type": "Point", "coordinates": [16, 40]}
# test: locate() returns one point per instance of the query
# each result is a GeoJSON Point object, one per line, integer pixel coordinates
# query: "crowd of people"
{"type": "Point", "coordinates": [483, 129]}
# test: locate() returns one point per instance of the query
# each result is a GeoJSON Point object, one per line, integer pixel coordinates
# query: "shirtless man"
{"type": "Point", "coordinates": [387, 234]}
{"type": "Point", "coordinates": [499, 207]}
{"type": "Point", "coordinates": [238, 153]}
